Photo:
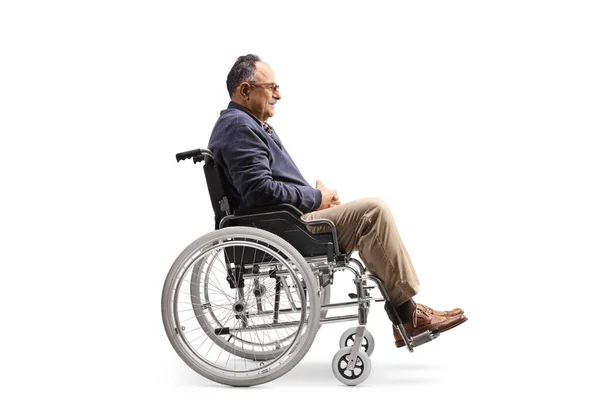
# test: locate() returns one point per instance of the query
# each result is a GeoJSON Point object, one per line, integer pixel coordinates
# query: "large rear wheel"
{"type": "Point", "coordinates": [240, 306]}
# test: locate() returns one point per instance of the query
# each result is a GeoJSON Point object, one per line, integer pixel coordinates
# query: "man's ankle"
{"type": "Point", "coordinates": [406, 310]}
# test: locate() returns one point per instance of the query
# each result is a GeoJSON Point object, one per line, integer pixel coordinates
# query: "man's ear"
{"type": "Point", "coordinates": [245, 90]}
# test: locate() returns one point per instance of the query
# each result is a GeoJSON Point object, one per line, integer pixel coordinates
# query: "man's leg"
{"type": "Point", "coordinates": [367, 225]}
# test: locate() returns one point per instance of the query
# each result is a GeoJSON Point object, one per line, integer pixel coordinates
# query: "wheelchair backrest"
{"type": "Point", "coordinates": [223, 197]}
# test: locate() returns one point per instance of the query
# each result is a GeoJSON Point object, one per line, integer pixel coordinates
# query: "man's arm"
{"type": "Point", "coordinates": [247, 160]}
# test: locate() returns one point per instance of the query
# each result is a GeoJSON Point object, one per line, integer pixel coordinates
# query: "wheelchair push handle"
{"type": "Point", "coordinates": [197, 155]}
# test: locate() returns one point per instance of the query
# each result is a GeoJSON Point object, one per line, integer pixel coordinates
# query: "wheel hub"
{"type": "Point", "coordinates": [239, 307]}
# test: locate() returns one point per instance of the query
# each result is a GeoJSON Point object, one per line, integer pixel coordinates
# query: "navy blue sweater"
{"type": "Point", "coordinates": [256, 163]}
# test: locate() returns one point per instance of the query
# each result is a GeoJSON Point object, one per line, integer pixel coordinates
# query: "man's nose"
{"type": "Point", "coordinates": [277, 95]}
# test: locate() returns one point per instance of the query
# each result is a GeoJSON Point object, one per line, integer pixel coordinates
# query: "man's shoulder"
{"type": "Point", "coordinates": [233, 125]}
{"type": "Point", "coordinates": [232, 118]}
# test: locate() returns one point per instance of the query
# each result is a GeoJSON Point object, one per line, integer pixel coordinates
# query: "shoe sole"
{"type": "Point", "coordinates": [400, 343]}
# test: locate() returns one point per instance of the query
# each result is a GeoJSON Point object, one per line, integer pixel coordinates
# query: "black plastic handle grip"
{"type": "Point", "coordinates": [189, 154]}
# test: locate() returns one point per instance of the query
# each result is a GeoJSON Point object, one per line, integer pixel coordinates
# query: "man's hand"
{"type": "Point", "coordinates": [329, 198]}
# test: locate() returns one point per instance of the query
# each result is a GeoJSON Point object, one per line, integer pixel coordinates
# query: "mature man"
{"type": "Point", "coordinates": [263, 173]}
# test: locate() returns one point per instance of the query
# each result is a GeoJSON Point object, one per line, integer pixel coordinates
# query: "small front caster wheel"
{"type": "Point", "coordinates": [367, 345]}
{"type": "Point", "coordinates": [361, 371]}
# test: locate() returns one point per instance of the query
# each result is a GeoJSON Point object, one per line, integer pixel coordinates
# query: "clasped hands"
{"type": "Point", "coordinates": [329, 198]}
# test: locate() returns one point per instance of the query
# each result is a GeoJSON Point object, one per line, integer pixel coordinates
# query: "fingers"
{"type": "Point", "coordinates": [335, 200]}
{"type": "Point", "coordinates": [335, 196]}
{"type": "Point", "coordinates": [331, 195]}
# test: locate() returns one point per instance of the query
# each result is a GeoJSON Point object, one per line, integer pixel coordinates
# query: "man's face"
{"type": "Point", "coordinates": [262, 95]}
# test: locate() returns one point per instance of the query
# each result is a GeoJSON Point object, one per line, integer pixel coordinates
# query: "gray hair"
{"type": "Point", "coordinates": [242, 71]}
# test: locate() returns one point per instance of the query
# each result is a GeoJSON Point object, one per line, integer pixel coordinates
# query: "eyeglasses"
{"type": "Point", "coordinates": [273, 87]}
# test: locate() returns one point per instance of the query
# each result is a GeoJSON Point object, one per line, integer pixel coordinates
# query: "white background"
{"type": "Point", "coordinates": [476, 121]}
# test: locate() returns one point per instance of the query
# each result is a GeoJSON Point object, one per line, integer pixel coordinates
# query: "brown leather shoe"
{"type": "Point", "coordinates": [424, 320]}
{"type": "Point", "coordinates": [451, 313]}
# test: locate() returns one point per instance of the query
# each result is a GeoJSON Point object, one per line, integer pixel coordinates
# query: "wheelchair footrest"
{"type": "Point", "coordinates": [424, 337]}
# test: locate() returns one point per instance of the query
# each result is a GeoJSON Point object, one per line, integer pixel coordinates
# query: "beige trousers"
{"type": "Point", "coordinates": [367, 225]}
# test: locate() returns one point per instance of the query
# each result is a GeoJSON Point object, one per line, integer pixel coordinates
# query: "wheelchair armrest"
{"type": "Point", "coordinates": [285, 221]}
{"type": "Point", "coordinates": [270, 209]}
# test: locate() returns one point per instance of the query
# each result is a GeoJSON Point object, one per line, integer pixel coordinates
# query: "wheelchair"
{"type": "Point", "coordinates": [241, 305]}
